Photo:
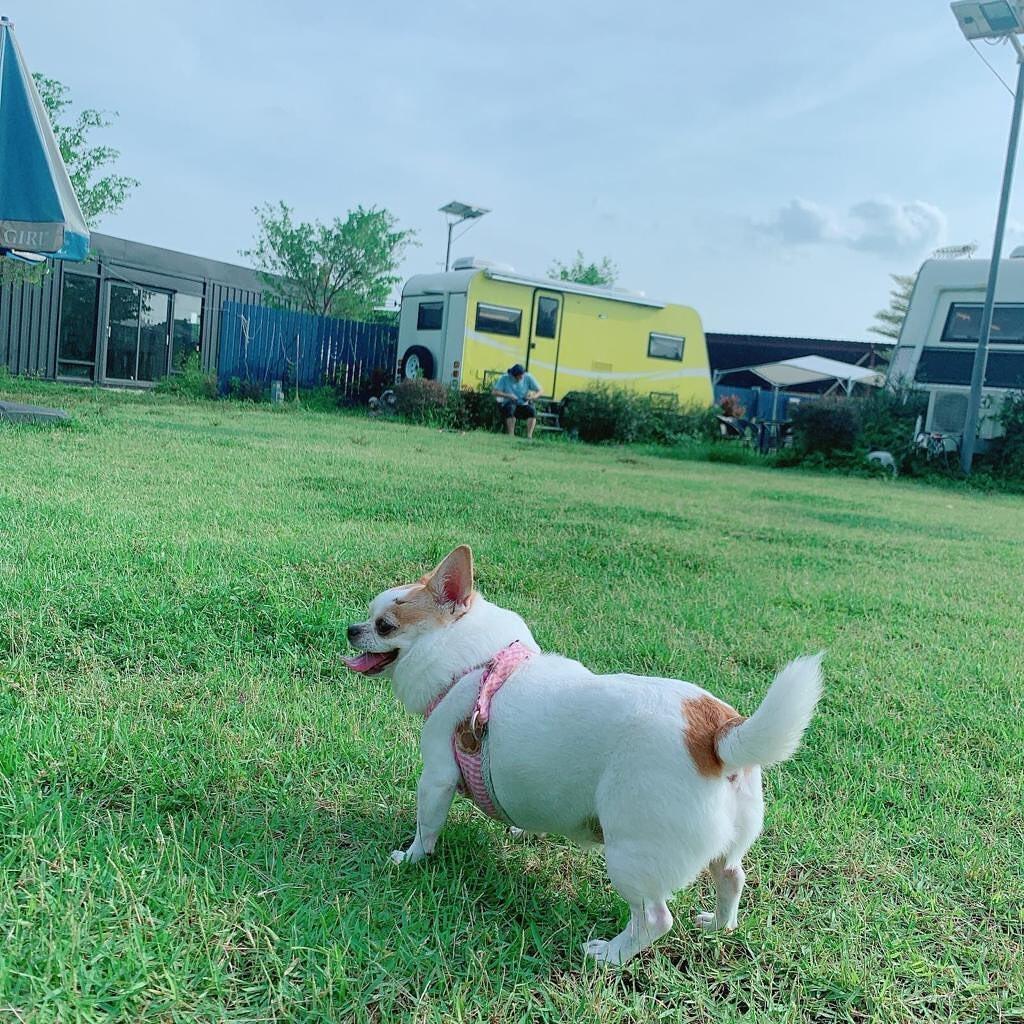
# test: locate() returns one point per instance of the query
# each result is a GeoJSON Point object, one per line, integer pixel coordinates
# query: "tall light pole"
{"type": "Point", "coordinates": [1002, 19]}
{"type": "Point", "coordinates": [456, 213]}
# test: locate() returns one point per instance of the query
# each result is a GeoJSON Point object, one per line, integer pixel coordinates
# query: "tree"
{"type": "Point", "coordinates": [603, 273]}
{"type": "Point", "coordinates": [890, 321]}
{"type": "Point", "coordinates": [343, 269]}
{"type": "Point", "coordinates": [98, 194]}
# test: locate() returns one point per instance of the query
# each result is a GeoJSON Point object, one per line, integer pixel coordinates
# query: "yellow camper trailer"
{"type": "Point", "coordinates": [473, 322]}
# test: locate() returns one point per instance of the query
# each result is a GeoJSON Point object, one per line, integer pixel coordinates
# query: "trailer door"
{"type": "Point", "coordinates": [545, 339]}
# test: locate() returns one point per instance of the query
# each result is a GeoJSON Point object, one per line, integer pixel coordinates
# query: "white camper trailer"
{"type": "Point", "coordinates": [935, 351]}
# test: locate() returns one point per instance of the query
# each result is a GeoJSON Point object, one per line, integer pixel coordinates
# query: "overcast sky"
{"type": "Point", "coordinates": [768, 163]}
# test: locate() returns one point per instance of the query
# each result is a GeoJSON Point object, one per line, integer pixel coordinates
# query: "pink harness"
{"type": "Point", "coordinates": [469, 741]}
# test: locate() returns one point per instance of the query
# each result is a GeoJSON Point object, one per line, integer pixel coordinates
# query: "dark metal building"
{"type": "Point", "coordinates": [730, 354]}
{"type": "Point", "coordinates": [128, 317]}
{"type": "Point", "coordinates": [732, 351]}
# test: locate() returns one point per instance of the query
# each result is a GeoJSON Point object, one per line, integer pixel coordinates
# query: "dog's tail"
{"type": "Point", "coordinates": [773, 732]}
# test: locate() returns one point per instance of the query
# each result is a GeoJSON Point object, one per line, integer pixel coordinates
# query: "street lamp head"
{"type": "Point", "coordinates": [463, 211]}
{"type": "Point", "coordinates": [457, 213]}
{"type": "Point", "coordinates": [989, 19]}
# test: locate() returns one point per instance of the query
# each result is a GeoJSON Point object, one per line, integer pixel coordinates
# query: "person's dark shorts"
{"type": "Point", "coordinates": [521, 410]}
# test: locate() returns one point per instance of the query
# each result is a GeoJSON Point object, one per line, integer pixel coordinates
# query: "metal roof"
{"type": "Point", "coordinates": [458, 281]}
{"type": "Point", "coordinates": [572, 288]}
{"type": "Point", "coordinates": [439, 284]}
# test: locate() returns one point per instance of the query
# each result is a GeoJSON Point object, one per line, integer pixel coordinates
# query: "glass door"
{"type": "Point", "coordinates": [76, 352]}
{"type": "Point", "coordinates": [545, 330]}
{"type": "Point", "coordinates": [138, 333]}
{"type": "Point", "coordinates": [187, 333]}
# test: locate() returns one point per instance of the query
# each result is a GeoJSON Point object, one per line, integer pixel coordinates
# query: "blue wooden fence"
{"type": "Point", "coordinates": [261, 344]}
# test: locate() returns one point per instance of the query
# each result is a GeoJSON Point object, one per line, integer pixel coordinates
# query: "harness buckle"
{"type": "Point", "coordinates": [475, 726]}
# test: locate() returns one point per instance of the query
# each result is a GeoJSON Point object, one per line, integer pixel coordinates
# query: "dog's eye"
{"type": "Point", "coordinates": [384, 627]}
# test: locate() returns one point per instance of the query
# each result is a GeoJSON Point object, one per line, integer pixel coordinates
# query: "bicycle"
{"type": "Point", "coordinates": [937, 445]}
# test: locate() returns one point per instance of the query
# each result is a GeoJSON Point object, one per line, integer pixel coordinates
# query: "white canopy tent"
{"type": "Point", "coordinates": [789, 373]}
{"type": "Point", "coordinates": [809, 369]}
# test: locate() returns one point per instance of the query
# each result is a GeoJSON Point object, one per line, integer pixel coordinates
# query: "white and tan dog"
{"type": "Point", "coordinates": [662, 773]}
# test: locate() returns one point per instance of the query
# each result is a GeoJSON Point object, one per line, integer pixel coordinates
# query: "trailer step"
{"type": "Point", "coordinates": [548, 416]}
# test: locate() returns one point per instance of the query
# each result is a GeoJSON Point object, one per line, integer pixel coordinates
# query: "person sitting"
{"type": "Point", "coordinates": [514, 391]}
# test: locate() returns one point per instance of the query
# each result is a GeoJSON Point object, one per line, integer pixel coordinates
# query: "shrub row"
{"type": "Point", "coordinates": [432, 403]}
{"type": "Point", "coordinates": [1004, 457]}
{"type": "Point", "coordinates": [828, 433]}
{"type": "Point", "coordinates": [599, 414]}
{"type": "Point", "coordinates": [604, 413]}
{"type": "Point", "coordinates": [839, 432]}
{"type": "Point", "coordinates": [190, 382]}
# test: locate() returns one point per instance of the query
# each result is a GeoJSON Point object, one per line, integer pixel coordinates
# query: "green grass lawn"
{"type": "Point", "coordinates": [197, 801]}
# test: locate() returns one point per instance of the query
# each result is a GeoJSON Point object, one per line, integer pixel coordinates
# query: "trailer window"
{"type": "Point", "coordinates": [429, 316]}
{"type": "Point", "coordinates": [665, 346]}
{"type": "Point", "coordinates": [498, 319]}
{"type": "Point", "coordinates": [954, 366]}
{"type": "Point", "coordinates": [547, 317]}
{"type": "Point", "coordinates": [963, 324]}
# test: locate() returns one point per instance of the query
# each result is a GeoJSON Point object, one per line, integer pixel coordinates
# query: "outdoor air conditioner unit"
{"type": "Point", "coordinates": [479, 263]}
{"type": "Point", "coordinates": [947, 414]}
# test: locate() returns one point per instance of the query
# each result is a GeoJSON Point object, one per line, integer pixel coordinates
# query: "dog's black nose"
{"type": "Point", "coordinates": [353, 632]}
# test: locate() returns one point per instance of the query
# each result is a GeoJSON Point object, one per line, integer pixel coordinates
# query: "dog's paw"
{"type": "Point", "coordinates": [520, 833]}
{"type": "Point", "coordinates": [709, 923]}
{"type": "Point", "coordinates": [604, 951]}
{"type": "Point", "coordinates": [410, 856]}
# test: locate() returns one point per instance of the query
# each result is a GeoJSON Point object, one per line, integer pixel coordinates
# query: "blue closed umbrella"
{"type": "Point", "coordinates": [39, 212]}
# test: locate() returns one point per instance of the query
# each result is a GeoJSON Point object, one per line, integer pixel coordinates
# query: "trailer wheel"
{"type": "Point", "coordinates": [417, 362]}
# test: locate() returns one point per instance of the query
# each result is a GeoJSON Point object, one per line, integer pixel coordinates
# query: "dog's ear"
{"type": "Point", "coordinates": [451, 583]}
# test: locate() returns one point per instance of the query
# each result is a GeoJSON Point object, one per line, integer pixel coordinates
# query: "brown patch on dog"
{"type": "Point", "coordinates": [707, 720]}
{"type": "Point", "coordinates": [415, 605]}
{"type": "Point", "coordinates": [592, 827]}
{"type": "Point", "coordinates": [419, 603]}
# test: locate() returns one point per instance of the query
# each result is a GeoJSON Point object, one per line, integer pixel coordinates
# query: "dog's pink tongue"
{"type": "Point", "coordinates": [366, 662]}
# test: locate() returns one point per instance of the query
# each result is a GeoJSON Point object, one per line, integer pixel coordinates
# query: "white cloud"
{"type": "Point", "coordinates": [889, 227]}
{"type": "Point", "coordinates": [881, 226]}
{"type": "Point", "coordinates": [801, 222]}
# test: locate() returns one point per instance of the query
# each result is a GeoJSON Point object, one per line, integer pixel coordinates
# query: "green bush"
{"type": "Point", "coordinates": [242, 389]}
{"type": "Point", "coordinates": [698, 421]}
{"type": "Point", "coordinates": [839, 432]}
{"type": "Point", "coordinates": [422, 401]}
{"type": "Point", "coordinates": [190, 381]}
{"type": "Point", "coordinates": [1004, 456]}
{"type": "Point", "coordinates": [321, 399]}
{"type": "Point", "coordinates": [825, 426]}
{"type": "Point", "coordinates": [603, 413]}
{"type": "Point", "coordinates": [371, 384]}
{"type": "Point", "coordinates": [472, 409]}
{"type": "Point", "coordinates": [887, 418]}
